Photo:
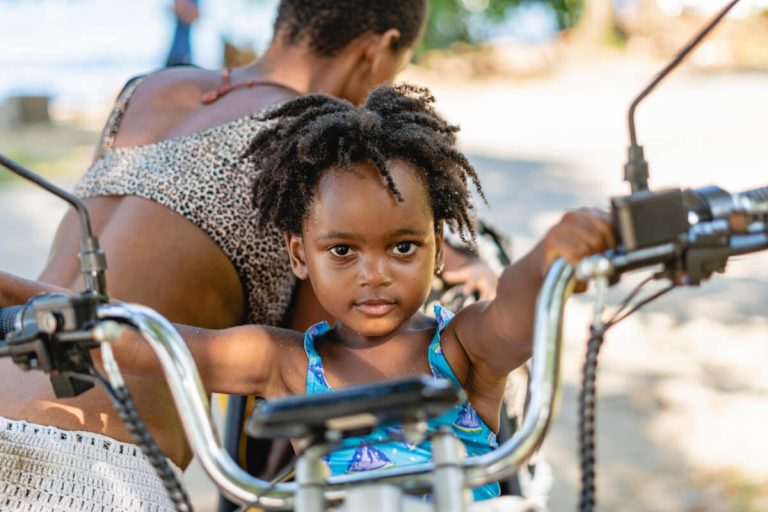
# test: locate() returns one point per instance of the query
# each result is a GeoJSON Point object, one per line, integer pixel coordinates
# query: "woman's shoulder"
{"type": "Point", "coordinates": [157, 105]}
{"type": "Point", "coordinates": [174, 85]}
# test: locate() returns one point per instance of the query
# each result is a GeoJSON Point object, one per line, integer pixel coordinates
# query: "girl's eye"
{"type": "Point", "coordinates": [340, 250]}
{"type": "Point", "coordinates": [405, 248]}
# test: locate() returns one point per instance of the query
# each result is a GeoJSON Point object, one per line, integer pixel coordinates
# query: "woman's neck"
{"type": "Point", "coordinates": [299, 68]}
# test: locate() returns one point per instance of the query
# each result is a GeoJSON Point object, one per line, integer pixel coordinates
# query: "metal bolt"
{"type": "Point", "coordinates": [48, 322]}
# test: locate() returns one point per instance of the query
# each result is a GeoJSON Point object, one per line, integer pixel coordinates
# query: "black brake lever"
{"type": "Point", "coordinates": [56, 337]}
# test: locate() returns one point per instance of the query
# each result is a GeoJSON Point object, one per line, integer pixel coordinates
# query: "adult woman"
{"type": "Point", "coordinates": [170, 197]}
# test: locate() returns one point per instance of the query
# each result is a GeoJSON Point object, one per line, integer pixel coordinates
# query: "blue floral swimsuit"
{"type": "Point", "coordinates": [378, 450]}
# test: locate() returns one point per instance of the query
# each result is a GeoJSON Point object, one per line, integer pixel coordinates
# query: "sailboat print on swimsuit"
{"type": "Point", "coordinates": [395, 434]}
{"type": "Point", "coordinates": [468, 420]}
{"type": "Point", "coordinates": [368, 458]}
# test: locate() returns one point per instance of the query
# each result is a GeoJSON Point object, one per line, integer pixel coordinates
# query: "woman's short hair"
{"type": "Point", "coordinates": [330, 25]}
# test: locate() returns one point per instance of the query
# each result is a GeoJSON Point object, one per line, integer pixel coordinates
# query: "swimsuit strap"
{"type": "Point", "coordinates": [316, 382]}
{"type": "Point", "coordinates": [437, 361]}
{"type": "Point", "coordinates": [226, 86]}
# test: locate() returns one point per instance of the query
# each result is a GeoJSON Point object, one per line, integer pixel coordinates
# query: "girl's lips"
{"type": "Point", "coordinates": [375, 307]}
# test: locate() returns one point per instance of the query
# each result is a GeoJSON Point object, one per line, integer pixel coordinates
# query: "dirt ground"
{"type": "Point", "coordinates": [683, 396]}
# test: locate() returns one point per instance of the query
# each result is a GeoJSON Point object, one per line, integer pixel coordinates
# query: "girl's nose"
{"type": "Point", "coordinates": [374, 272]}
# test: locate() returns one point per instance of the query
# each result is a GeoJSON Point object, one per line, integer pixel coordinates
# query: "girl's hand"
{"type": "Point", "coordinates": [580, 233]}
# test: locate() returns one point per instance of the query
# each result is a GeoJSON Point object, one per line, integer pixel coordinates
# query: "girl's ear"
{"type": "Point", "coordinates": [439, 244]}
{"type": "Point", "coordinates": [295, 246]}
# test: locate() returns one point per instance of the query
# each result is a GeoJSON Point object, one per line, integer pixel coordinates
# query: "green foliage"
{"type": "Point", "coordinates": [450, 21]}
{"type": "Point", "coordinates": [568, 11]}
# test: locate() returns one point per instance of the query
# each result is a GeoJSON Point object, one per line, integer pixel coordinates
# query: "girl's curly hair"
{"type": "Point", "coordinates": [315, 132]}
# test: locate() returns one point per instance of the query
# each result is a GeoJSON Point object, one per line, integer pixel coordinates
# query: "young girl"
{"type": "Point", "coordinates": [361, 194]}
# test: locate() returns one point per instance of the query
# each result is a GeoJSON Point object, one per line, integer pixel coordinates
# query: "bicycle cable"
{"type": "Point", "coordinates": [123, 402]}
{"type": "Point", "coordinates": [588, 392]}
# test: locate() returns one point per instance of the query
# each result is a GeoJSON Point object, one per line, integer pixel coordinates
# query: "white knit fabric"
{"type": "Point", "coordinates": [45, 469]}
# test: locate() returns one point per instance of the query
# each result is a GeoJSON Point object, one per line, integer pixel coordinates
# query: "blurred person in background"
{"type": "Point", "coordinates": [171, 201]}
{"type": "Point", "coordinates": [185, 13]}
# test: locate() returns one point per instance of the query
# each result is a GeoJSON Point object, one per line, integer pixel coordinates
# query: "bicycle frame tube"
{"type": "Point", "coordinates": [192, 403]}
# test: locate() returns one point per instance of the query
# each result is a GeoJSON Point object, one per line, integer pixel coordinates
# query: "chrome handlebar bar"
{"type": "Point", "coordinates": [192, 403]}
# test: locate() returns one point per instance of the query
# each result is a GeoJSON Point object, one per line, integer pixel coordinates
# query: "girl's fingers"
{"type": "Point", "coordinates": [600, 220]}
{"type": "Point", "coordinates": [583, 232]}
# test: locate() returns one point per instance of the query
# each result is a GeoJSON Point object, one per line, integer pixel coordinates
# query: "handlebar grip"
{"type": "Point", "coordinates": [8, 316]}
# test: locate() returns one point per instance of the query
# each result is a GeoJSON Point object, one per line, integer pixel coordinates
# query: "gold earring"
{"type": "Point", "coordinates": [439, 268]}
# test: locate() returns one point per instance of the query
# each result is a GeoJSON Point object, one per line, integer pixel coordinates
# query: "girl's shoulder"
{"type": "Point", "coordinates": [293, 360]}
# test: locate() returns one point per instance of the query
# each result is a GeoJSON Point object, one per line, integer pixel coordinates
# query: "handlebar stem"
{"type": "Point", "coordinates": [450, 491]}
{"type": "Point", "coordinates": [310, 476]}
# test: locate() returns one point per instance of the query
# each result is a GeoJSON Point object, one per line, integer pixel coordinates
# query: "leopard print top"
{"type": "Point", "coordinates": [202, 177]}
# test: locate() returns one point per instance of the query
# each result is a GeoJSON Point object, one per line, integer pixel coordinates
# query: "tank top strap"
{"type": "Point", "coordinates": [227, 86]}
{"type": "Point", "coordinates": [437, 361]}
{"type": "Point", "coordinates": [109, 132]}
{"type": "Point", "coordinates": [315, 382]}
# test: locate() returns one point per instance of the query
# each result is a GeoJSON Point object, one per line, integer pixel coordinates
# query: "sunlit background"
{"type": "Point", "coordinates": [540, 90]}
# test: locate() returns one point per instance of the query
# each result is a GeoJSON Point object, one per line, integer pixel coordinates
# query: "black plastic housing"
{"type": "Point", "coordinates": [354, 409]}
{"type": "Point", "coordinates": [646, 218]}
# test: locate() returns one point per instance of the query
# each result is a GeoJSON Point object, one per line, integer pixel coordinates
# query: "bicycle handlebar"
{"type": "Point", "coordinates": [192, 403]}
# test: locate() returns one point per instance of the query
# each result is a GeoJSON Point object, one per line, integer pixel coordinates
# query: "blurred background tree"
{"type": "Point", "coordinates": [473, 21]}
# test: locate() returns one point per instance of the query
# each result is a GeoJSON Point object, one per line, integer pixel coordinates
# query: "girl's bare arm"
{"type": "Point", "coordinates": [243, 360]}
{"type": "Point", "coordinates": [496, 335]}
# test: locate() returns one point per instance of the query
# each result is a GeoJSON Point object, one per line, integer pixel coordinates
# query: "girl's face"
{"type": "Point", "coordinates": [369, 257]}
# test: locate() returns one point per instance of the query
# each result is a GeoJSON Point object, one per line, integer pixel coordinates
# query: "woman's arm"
{"type": "Point", "coordinates": [496, 335]}
{"type": "Point", "coordinates": [15, 290]}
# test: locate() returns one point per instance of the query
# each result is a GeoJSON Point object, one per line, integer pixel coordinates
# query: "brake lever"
{"type": "Point", "coordinates": [56, 336]}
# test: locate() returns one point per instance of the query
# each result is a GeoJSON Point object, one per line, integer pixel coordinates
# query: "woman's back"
{"type": "Point", "coordinates": [156, 256]}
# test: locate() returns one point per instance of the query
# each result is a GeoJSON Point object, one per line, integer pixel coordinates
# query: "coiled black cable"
{"type": "Point", "coordinates": [142, 436]}
{"type": "Point", "coordinates": [588, 393]}
{"type": "Point", "coordinates": [587, 405]}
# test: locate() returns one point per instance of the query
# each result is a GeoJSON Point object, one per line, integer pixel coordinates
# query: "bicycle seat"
{"type": "Point", "coordinates": [354, 410]}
